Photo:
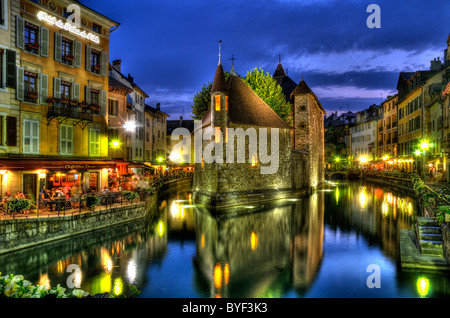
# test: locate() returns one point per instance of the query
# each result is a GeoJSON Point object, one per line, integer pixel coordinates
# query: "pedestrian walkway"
{"type": "Point", "coordinates": [424, 252]}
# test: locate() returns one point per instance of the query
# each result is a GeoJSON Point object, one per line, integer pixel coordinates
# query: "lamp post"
{"type": "Point", "coordinates": [424, 146]}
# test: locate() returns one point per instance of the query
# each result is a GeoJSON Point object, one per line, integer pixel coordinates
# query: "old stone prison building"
{"type": "Point", "coordinates": [300, 162]}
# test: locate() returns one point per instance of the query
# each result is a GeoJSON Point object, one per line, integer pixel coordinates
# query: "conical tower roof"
{"type": "Point", "coordinates": [219, 84]}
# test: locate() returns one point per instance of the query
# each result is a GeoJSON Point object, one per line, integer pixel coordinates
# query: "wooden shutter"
{"type": "Point", "coordinates": [43, 83]}
{"type": "Point", "coordinates": [87, 94]}
{"type": "Point", "coordinates": [11, 131]}
{"type": "Point", "coordinates": [66, 140]}
{"type": "Point", "coordinates": [103, 103]}
{"type": "Point", "coordinates": [20, 30]}
{"type": "Point", "coordinates": [35, 137]}
{"type": "Point", "coordinates": [11, 71]}
{"type": "Point", "coordinates": [76, 91]}
{"type": "Point", "coordinates": [20, 91]}
{"type": "Point", "coordinates": [44, 41]}
{"type": "Point", "coordinates": [104, 65]}
{"type": "Point", "coordinates": [88, 57]}
{"type": "Point", "coordinates": [78, 48]}
{"type": "Point", "coordinates": [58, 47]}
{"type": "Point", "coordinates": [56, 87]}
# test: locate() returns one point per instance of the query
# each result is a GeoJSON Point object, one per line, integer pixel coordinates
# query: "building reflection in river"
{"type": "Point", "coordinates": [291, 249]}
{"type": "Point", "coordinates": [260, 254]}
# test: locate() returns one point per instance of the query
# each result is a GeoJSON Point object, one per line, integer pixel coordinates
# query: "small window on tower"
{"type": "Point", "coordinates": [217, 102]}
{"type": "Point", "coordinates": [226, 103]}
{"type": "Point", "coordinates": [217, 134]}
{"type": "Point", "coordinates": [303, 108]}
{"type": "Point", "coordinates": [254, 160]}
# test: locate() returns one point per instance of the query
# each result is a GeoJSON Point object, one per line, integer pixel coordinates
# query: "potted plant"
{"type": "Point", "coordinates": [92, 201]}
{"type": "Point", "coordinates": [51, 100]}
{"type": "Point", "coordinates": [69, 57]}
{"type": "Point", "coordinates": [83, 104]}
{"type": "Point", "coordinates": [18, 205]}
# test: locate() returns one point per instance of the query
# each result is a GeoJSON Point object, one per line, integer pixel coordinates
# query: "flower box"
{"type": "Point", "coordinates": [94, 107]}
{"type": "Point", "coordinates": [64, 101]}
{"type": "Point", "coordinates": [32, 95]}
{"type": "Point", "coordinates": [33, 45]}
{"type": "Point", "coordinates": [69, 57]}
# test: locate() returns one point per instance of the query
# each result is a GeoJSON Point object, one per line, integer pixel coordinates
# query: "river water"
{"type": "Point", "coordinates": [342, 241]}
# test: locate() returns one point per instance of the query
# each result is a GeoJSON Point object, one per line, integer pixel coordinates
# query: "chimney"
{"type": "Point", "coordinates": [117, 64]}
{"type": "Point", "coordinates": [158, 106]}
{"type": "Point", "coordinates": [130, 78]}
{"type": "Point", "coordinates": [181, 120]}
{"type": "Point", "coordinates": [435, 65]}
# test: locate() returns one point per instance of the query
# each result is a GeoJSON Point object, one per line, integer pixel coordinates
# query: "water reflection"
{"type": "Point", "coordinates": [260, 254]}
{"type": "Point", "coordinates": [318, 246]}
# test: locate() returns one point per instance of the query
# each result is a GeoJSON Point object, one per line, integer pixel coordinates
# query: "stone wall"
{"type": "Point", "coordinates": [17, 234]}
{"type": "Point", "coordinates": [300, 170]}
{"type": "Point", "coordinates": [446, 241]}
{"type": "Point", "coordinates": [309, 135]}
{"type": "Point", "coordinates": [226, 184]}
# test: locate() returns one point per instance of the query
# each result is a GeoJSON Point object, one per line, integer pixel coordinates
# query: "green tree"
{"type": "Point", "coordinates": [262, 84]}
{"type": "Point", "coordinates": [269, 91]}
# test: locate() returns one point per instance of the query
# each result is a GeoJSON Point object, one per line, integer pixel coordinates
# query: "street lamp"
{"type": "Point", "coordinates": [424, 146]}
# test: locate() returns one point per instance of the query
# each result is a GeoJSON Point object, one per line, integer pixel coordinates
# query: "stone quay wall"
{"type": "Point", "coordinates": [16, 234]}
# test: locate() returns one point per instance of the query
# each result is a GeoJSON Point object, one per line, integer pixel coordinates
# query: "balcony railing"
{"type": "Point", "coordinates": [69, 110]}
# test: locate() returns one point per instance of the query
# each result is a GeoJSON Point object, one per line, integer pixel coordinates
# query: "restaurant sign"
{"type": "Point", "coordinates": [72, 28]}
{"type": "Point", "coordinates": [74, 167]}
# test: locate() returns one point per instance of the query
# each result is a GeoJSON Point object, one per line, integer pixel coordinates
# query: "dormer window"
{"type": "Point", "coordinates": [217, 102]}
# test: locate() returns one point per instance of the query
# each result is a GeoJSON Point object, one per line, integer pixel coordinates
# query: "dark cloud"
{"type": "Point", "coordinates": [170, 46]}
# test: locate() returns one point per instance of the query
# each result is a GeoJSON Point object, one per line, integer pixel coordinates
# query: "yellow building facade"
{"type": "Point", "coordinates": [61, 93]}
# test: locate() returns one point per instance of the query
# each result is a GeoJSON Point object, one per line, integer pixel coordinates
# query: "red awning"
{"type": "Point", "coordinates": [30, 164]}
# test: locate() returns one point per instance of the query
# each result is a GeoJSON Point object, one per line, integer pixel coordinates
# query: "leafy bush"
{"type": "Point", "coordinates": [130, 195]}
{"type": "Point", "coordinates": [92, 201]}
{"type": "Point", "coordinates": [18, 205]}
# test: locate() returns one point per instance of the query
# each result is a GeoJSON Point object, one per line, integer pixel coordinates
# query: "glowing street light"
{"type": "Point", "coordinates": [115, 144]}
{"type": "Point", "coordinates": [417, 152]}
{"type": "Point", "coordinates": [130, 126]}
{"type": "Point", "coordinates": [424, 145]}
{"type": "Point", "coordinates": [363, 159]}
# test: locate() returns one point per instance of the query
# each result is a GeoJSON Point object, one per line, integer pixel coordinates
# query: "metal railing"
{"type": "Point", "coordinates": [69, 110]}
{"type": "Point", "coordinates": [79, 204]}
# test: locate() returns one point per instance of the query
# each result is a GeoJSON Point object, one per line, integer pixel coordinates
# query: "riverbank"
{"type": "Point", "coordinates": [428, 202]}
{"type": "Point", "coordinates": [20, 233]}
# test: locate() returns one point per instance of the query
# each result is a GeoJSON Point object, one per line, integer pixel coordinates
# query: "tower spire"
{"type": "Point", "coordinates": [220, 52]}
{"type": "Point", "coordinates": [279, 58]}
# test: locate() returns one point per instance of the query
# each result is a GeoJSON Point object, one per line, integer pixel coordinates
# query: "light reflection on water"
{"type": "Point", "coordinates": [319, 246]}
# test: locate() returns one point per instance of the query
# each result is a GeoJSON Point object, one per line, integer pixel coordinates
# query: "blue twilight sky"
{"type": "Point", "coordinates": [170, 47]}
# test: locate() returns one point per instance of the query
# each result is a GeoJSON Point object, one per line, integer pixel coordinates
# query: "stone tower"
{"type": "Point", "coordinates": [308, 135]}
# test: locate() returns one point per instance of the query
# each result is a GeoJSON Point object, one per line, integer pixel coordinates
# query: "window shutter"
{"type": "Point", "coordinates": [44, 41]}
{"type": "Point", "coordinates": [20, 85]}
{"type": "Point", "coordinates": [76, 91]}
{"type": "Point", "coordinates": [20, 30]}
{"type": "Point", "coordinates": [69, 140]}
{"type": "Point", "coordinates": [43, 88]}
{"type": "Point", "coordinates": [11, 131]}
{"type": "Point", "coordinates": [11, 71]}
{"type": "Point", "coordinates": [35, 137]}
{"type": "Point", "coordinates": [56, 87]}
{"type": "Point", "coordinates": [88, 58]}
{"type": "Point", "coordinates": [58, 47]}
{"type": "Point", "coordinates": [26, 136]}
{"type": "Point", "coordinates": [103, 103]}
{"type": "Point", "coordinates": [104, 62]}
{"type": "Point", "coordinates": [87, 94]}
{"type": "Point", "coordinates": [78, 48]}
{"type": "Point", "coordinates": [62, 140]}
{"type": "Point", "coordinates": [116, 107]}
